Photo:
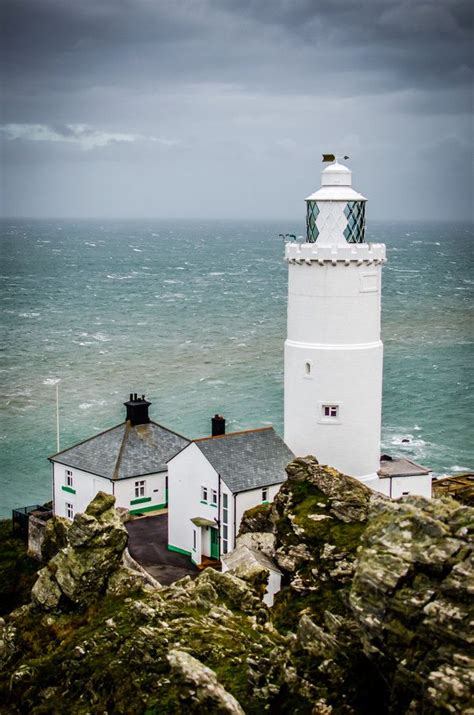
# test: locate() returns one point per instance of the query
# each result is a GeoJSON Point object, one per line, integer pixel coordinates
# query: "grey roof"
{"type": "Point", "coordinates": [124, 451]}
{"type": "Point", "coordinates": [244, 555]}
{"type": "Point", "coordinates": [247, 460]}
{"type": "Point", "coordinates": [400, 467]}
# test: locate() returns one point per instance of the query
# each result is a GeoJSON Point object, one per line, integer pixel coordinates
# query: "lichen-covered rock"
{"type": "Point", "coordinates": [55, 537]}
{"type": "Point", "coordinates": [373, 616]}
{"type": "Point", "coordinates": [79, 572]}
{"type": "Point", "coordinates": [201, 690]}
{"type": "Point", "coordinates": [256, 519]}
{"type": "Point", "coordinates": [412, 597]}
{"type": "Point", "coordinates": [258, 541]}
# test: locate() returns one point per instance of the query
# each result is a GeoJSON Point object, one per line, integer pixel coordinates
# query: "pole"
{"type": "Point", "coordinates": [57, 417]}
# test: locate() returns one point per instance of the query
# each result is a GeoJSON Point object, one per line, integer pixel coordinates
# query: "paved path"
{"type": "Point", "coordinates": [148, 542]}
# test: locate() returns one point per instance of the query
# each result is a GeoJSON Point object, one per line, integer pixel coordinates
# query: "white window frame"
{"type": "Point", "coordinates": [68, 478]}
{"type": "Point", "coordinates": [214, 497]}
{"type": "Point", "coordinates": [331, 419]}
{"type": "Point", "coordinates": [265, 494]}
{"type": "Point", "coordinates": [69, 508]}
{"type": "Point", "coordinates": [140, 488]}
{"type": "Point", "coordinates": [204, 494]}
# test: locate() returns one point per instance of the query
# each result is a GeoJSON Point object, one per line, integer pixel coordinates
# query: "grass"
{"type": "Point", "coordinates": [17, 570]}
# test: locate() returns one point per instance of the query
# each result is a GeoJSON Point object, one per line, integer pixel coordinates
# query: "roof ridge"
{"type": "Point", "coordinates": [233, 434]}
{"type": "Point", "coordinates": [178, 434]}
{"type": "Point", "coordinates": [126, 432]}
{"type": "Point", "coordinates": [83, 441]}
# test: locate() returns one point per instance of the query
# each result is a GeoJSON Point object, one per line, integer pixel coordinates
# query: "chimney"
{"type": "Point", "coordinates": [218, 425]}
{"type": "Point", "coordinates": [137, 410]}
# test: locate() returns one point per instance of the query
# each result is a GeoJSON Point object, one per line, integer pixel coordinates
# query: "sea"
{"type": "Point", "coordinates": [193, 315]}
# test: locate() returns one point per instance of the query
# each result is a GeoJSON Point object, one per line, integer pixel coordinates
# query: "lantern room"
{"type": "Point", "coordinates": [335, 214]}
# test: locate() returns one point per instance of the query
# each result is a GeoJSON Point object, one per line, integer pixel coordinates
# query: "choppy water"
{"type": "Point", "coordinates": [193, 314]}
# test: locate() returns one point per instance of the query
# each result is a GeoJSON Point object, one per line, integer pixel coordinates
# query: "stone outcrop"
{"type": "Point", "coordinates": [201, 690]}
{"type": "Point", "coordinates": [96, 541]}
{"type": "Point", "coordinates": [373, 615]}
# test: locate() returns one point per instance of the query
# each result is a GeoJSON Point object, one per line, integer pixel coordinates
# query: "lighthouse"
{"type": "Point", "coordinates": [333, 351]}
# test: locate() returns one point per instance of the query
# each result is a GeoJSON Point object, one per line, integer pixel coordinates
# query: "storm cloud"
{"type": "Point", "coordinates": [220, 108]}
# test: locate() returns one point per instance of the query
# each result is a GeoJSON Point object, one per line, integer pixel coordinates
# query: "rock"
{"type": "Point", "coordinates": [258, 541]}
{"type": "Point", "coordinates": [79, 572]}
{"type": "Point", "coordinates": [256, 520]}
{"type": "Point", "coordinates": [55, 537]}
{"type": "Point", "coordinates": [412, 597]}
{"type": "Point", "coordinates": [201, 688]}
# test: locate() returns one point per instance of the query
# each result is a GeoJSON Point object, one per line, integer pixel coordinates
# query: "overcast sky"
{"type": "Point", "coordinates": [222, 108]}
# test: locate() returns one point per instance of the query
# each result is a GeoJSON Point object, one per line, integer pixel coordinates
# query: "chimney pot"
{"type": "Point", "coordinates": [137, 410]}
{"type": "Point", "coordinates": [218, 425]}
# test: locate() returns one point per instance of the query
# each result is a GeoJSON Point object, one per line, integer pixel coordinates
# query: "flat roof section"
{"type": "Point", "coordinates": [400, 467]}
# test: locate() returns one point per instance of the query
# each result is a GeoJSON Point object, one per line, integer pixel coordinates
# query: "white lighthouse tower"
{"type": "Point", "coordinates": [333, 352]}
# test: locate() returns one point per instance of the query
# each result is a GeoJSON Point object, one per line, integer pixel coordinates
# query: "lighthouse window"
{"type": "Point", "coordinates": [312, 231]}
{"type": "Point", "coordinates": [307, 368]}
{"type": "Point", "coordinates": [330, 410]}
{"type": "Point", "coordinates": [355, 229]}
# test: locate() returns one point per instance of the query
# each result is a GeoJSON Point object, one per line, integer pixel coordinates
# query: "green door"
{"type": "Point", "coordinates": [214, 544]}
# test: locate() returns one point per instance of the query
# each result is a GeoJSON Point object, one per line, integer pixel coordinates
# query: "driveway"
{"type": "Point", "coordinates": [148, 542]}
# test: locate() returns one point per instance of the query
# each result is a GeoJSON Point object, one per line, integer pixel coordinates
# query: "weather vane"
{"type": "Point", "coordinates": [333, 157]}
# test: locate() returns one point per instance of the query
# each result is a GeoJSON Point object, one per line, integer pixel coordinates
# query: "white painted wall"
{"type": "Point", "coordinates": [85, 485]}
{"type": "Point", "coordinates": [155, 490]}
{"type": "Point", "coordinates": [188, 471]}
{"type": "Point", "coordinates": [334, 325]}
{"type": "Point", "coordinates": [396, 487]}
{"type": "Point", "coordinates": [274, 585]}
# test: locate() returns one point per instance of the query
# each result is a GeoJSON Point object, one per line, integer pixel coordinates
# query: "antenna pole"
{"type": "Point", "coordinates": [57, 416]}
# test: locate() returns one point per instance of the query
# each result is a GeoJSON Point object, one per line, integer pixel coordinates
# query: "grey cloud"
{"type": "Point", "coordinates": [253, 91]}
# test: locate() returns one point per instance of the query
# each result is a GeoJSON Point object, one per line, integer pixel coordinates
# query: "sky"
{"type": "Point", "coordinates": [222, 108]}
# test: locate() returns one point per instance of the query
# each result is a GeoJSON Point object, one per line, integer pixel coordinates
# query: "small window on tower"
{"type": "Point", "coordinates": [330, 411]}
{"type": "Point", "coordinates": [307, 368]}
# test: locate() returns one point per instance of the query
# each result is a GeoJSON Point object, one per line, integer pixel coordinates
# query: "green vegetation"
{"type": "Point", "coordinates": [17, 570]}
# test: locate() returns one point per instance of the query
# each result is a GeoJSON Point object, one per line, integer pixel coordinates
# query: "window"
{"type": "Point", "coordinates": [204, 494]}
{"type": "Point", "coordinates": [405, 494]}
{"type": "Point", "coordinates": [214, 497]}
{"type": "Point", "coordinates": [225, 538]}
{"type": "Point", "coordinates": [307, 368]}
{"type": "Point", "coordinates": [194, 539]}
{"type": "Point", "coordinates": [330, 410]}
{"type": "Point", "coordinates": [68, 477]}
{"type": "Point", "coordinates": [225, 521]}
{"type": "Point", "coordinates": [69, 510]}
{"type": "Point", "coordinates": [140, 489]}
{"type": "Point", "coordinates": [265, 494]}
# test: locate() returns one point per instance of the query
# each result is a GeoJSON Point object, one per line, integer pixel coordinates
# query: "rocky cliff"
{"type": "Point", "coordinates": [373, 615]}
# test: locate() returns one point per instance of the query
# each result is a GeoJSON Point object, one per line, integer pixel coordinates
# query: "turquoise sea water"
{"type": "Point", "coordinates": [193, 314]}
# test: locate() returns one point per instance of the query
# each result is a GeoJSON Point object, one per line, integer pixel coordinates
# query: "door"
{"type": "Point", "coordinates": [214, 544]}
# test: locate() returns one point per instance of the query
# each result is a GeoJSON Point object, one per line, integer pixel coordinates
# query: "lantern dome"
{"type": "Point", "coordinates": [336, 185]}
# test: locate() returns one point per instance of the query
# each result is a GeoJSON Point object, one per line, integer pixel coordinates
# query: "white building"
{"type": "Point", "coordinates": [333, 351]}
{"type": "Point", "coordinates": [128, 460]}
{"type": "Point", "coordinates": [213, 481]}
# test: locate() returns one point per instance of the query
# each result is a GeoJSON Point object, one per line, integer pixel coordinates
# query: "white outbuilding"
{"type": "Point", "coordinates": [128, 460]}
{"type": "Point", "coordinates": [214, 480]}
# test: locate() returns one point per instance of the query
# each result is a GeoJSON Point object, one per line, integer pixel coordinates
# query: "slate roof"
{"type": "Point", "coordinates": [400, 467]}
{"type": "Point", "coordinates": [248, 460]}
{"type": "Point", "coordinates": [124, 451]}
